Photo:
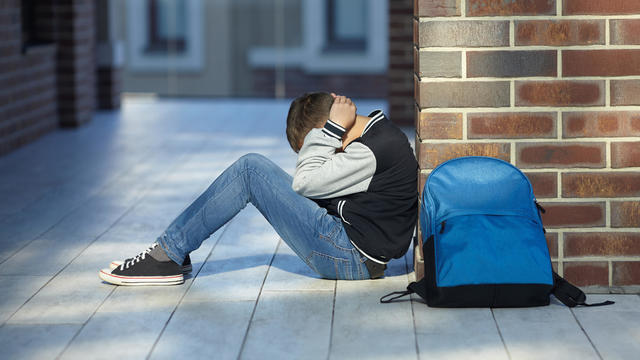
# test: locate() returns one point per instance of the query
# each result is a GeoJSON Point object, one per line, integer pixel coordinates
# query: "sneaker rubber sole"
{"type": "Point", "coordinates": [185, 268]}
{"type": "Point", "coordinates": [105, 274]}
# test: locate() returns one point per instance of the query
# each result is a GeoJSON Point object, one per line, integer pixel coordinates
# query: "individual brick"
{"type": "Point", "coordinates": [625, 92]}
{"type": "Point", "coordinates": [438, 63]}
{"type": "Point", "coordinates": [601, 62]}
{"type": "Point", "coordinates": [510, 7]}
{"type": "Point", "coordinates": [436, 8]}
{"type": "Point", "coordinates": [463, 94]}
{"type": "Point", "coordinates": [601, 244]}
{"type": "Point", "coordinates": [600, 7]}
{"type": "Point", "coordinates": [562, 215]}
{"type": "Point", "coordinates": [587, 273]}
{"type": "Point", "coordinates": [552, 243]}
{"type": "Point", "coordinates": [511, 125]}
{"type": "Point", "coordinates": [561, 155]}
{"type": "Point", "coordinates": [431, 155]}
{"type": "Point", "coordinates": [626, 273]}
{"type": "Point", "coordinates": [560, 93]}
{"type": "Point", "coordinates": [511, 63]}
{"type": "Point", "coordinates": [545, 184]}
{"type": "Point", "coordinates": [589, 184]}
{"type": "Point", "coordinates": [625, 154]}
{"type": "Point", "coordinates": [439, 125]}
{"type": "Point", "coordinates": [600, 124]}
{"type": "Point", "coordinates": [625, 214]}
{"type": "Point", "coordinates": [462, 33]}
{"type": "Point", "coordinates": [561, 32]}
{"type": "Point", "coordinates": [625, 31]}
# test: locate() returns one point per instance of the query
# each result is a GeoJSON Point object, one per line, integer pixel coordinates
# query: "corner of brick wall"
{"type": "Point", "coordinates": [554, 88]}
{"type": "Point", "coordinates": [74, 34]}
{"type": "Point", "coordinates": [400, 72]}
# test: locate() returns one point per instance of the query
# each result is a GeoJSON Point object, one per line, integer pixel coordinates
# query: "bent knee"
{"type": "Point", "coordinates": [253, 160]}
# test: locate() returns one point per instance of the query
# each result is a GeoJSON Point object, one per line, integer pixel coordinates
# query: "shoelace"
{"type": "Point", "coordinates": [138, 257]}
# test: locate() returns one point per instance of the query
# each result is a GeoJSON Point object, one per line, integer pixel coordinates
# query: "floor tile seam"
{"type": "Point", "coordinates": [504, 343]}
{"type": "Point", "coordinates": [93, 241]}
{"type": "Point", "coordinates": [63, 182]}
{"type": "Point", "coordinates": [151, 149]}
{"type": "Point", "coordinates": [333, 316]}
{"type": "Point", "coordinates": [253, 312]}
{"type": "Point", "coordinates": [177, 164]}
{"type": "Point", "coordinates": [186, 291]}
{"type": "Point", "coordinates": [73, 209]}
{"type": "Point", "coordinates": [586, 334]}
{"type": "Point", "coordinates": [67, 265]}
{"type": "Point", "coordinates": [84, 324]}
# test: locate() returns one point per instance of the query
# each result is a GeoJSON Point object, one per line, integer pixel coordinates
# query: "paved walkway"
{"type": "Point", "coordinates": [77, 199]}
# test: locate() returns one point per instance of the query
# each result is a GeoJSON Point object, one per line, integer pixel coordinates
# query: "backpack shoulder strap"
{"type": "Point", "coordinates": [413, 288]}
{"type": "Point", "coordinates": [570, 295]}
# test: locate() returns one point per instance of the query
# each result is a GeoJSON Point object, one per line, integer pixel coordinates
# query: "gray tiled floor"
{"type": "Point", "coordinates": [75, 200]}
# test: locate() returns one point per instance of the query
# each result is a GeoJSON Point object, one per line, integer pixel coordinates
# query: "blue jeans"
{"type": "Point", "coordinates": [318, 238]}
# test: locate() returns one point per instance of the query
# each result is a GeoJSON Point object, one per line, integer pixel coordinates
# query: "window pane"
{"type": "Point", "coordinates": [349, 17]}
{"type": "Point", "coordinates": [171, 19]}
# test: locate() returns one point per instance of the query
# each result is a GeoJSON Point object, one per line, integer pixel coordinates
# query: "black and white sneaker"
{"type": "Point", "coordinates": [144, 270]}
{"type": "Point", "coordinates": [186, 264]}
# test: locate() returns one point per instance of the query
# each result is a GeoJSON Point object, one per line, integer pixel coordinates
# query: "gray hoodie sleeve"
{"type": "Point", "coordinates": [323, 173]}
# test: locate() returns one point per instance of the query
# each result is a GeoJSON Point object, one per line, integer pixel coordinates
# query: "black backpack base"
{"type": "Point", "coordinates": [481, 296]}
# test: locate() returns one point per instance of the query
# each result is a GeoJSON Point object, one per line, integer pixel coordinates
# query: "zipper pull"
{"type": "Point", "coordinates": [540, 208]}
{"type": "Point", "coordinates": [442, 228]}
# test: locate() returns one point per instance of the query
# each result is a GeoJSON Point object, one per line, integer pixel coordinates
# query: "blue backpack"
{"type": "Point", "coordinates": [483, 240]}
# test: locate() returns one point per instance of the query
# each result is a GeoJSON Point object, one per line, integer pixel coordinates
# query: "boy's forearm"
{"type": "Point", "coordinates": [322, 173]}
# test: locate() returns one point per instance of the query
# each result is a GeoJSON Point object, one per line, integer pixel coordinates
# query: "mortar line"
{"type": "Point", "coordinates": [561, 253]}
{"type": "Point", "coordinates": [512, 35]}
{"type": "Point", "coordinates": [559, 123]}
{"type": "Point", "coordinates": [512, 94]}
{"type": "Point", "coordinates": [527, 17]}
{"type": "Point", "coordinates": [559, 8]}
{"type": "Point", "coordinates": [588, 108]}
{"type": "Point", "coordinates": [432, 47]}
{"type": "Point", "coordinates": [559, 64]}
{"type": "Point", "coordinates": [610, 263]}
{"type": "Point", "coordinates": [463, 64]}
{"type": "Point", "coordinates": [465, 124]}
{"type": "Point", "coordinates": [607, 33]}
{"type": "Point", "coordinates": [137, 202]}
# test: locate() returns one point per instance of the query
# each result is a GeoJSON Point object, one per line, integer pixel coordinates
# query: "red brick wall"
{"type": "Point", "coordinates": [27, 83]}
{"type": "Point", "coordinates": [554, 88]}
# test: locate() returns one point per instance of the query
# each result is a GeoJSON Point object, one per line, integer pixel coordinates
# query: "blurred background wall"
{"type": "Point", "coordinates": [62, 60]}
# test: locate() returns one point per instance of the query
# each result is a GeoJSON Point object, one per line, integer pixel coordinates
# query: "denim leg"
{"type": "Point", "coordinates": [314, 235]}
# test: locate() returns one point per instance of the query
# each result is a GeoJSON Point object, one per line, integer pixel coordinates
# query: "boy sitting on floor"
{"type": "Point", "coordinates": [350, 207]}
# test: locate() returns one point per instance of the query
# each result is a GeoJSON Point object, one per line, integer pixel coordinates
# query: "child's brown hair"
{"type": "Point", "coordinates": [306, 112]}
